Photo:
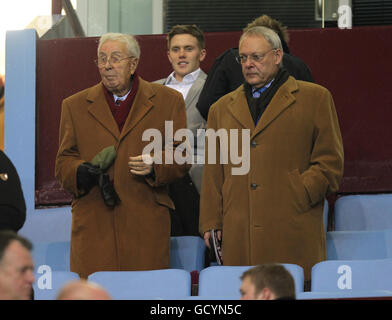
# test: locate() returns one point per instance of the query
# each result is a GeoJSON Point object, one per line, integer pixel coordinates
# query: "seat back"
{"type": "Point", "coordinates": [187, 253]}
{"type": "Point", "coordinates": [363, 212]}
{"type": "Point", "coordinates": [343, 294]}
{"type": "Point", "coordinates": [53, 254]}
{"type": "Point", "coordinates": [48, 283]}
{"type": "Point", "coordinates": [355, 275]}
{"type": "Point", "coordinates": [139, 285]}
{"type": "Point", "coordinates": [359, 245]}
{"type": "Point", "coordinates": [224, 281]}
{"type": "Point", "coordinates": [325, 215]}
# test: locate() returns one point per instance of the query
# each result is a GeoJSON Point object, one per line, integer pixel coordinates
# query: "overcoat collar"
{"type": "Point", "coordinates": [100, 110]}
{"type": "Point", "coordinates": [282, 100]}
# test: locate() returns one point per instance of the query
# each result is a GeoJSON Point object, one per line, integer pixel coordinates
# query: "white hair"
{"type": "Point", "coordinates": [129, 40]}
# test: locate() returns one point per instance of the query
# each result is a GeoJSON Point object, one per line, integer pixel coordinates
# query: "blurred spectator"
{"type": "Point", "coordinates": [12, 202]}
{"type": "Point", "coordinates": [83, 290]}
{"type": "Point", "coordinates": [267, 282]}
{"type": "Point", "coordinates": [16, 267]}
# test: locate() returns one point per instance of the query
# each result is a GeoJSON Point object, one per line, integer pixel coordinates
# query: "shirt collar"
{"type": "Point", "coordinates": [262, 88]}
{"type": "Point", "coordinates": [189, 78]}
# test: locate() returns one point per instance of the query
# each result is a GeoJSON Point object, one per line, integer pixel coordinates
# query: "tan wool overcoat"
{"type": "Point", "coordinates": [135, 235]}
{"type": "Point", "coordinates": [274, 212]}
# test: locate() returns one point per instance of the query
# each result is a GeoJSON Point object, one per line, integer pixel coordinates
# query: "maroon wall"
{"type": "Point", "coordinates": [353, 64]}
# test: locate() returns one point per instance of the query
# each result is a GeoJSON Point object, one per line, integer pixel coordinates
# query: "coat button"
{"type": "Point", "coordinates": [253, 144]}
{"type": "Point", "coordinates": [253, 186]}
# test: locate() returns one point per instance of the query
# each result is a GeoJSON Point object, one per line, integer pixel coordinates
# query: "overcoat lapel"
{"type": "Point", "coordinates": [100, 110]}
{"type": "Point", "coordinates": [282, 99]}
{"type": "Point", "coordinates": [240, 110]}
{"type": "Point", "coordinates": [140, 107]}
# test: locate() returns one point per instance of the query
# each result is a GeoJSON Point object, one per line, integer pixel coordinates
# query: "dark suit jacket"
{"type": "Point", "coordinates": [12, 202]}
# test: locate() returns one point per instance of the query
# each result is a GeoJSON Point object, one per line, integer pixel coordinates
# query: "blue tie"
{"type": "Point", "coordinates": [258, 92]}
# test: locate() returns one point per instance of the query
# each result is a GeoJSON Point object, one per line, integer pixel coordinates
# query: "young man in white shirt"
{"type": "Point", "coordinates": [186, 50]}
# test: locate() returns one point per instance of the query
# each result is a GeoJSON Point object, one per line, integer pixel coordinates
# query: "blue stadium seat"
{"type": "Point", "coordinates": [48, 283]}
{"type": "Point", "coordinates": [343, 294]}
{"type": "Point", "coordinates": [224, 281]}
{"type": "Point", "coordinates": [359, 245]}
{"type": "Point", "coordinates": [141, 285]}
{"type": "Point", "coordinates": [325, 215]}
{"type": "Point", "coordinates": [352, 275]}
{"type": "Point", "coordinates": [363, 212]}
{"type": "Point", "coordinates": [54, 254]}
{"type": "Point", "coordinates": [187, 253]}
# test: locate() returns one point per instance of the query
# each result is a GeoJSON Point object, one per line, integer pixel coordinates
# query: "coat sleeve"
{"type": "Point", "coordinates": [211, 201]}
{"type": "Point", "coordinates": [327, 156]}
{"type": "Point", "coordinates": [68, 157]}
{"type": "Point", "coordinates": [166, 173]}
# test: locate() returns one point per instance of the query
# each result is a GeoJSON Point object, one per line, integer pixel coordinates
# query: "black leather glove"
{"type": "Point", "coordinates": [108, 192]}
{"type": "Point", "coordinates": [87, 177]}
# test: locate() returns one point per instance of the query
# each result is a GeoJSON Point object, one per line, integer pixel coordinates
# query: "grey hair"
{"type": "Point", "coordinates": [270, 35]}
{"type": "Point", "coordinates": [130, 41]}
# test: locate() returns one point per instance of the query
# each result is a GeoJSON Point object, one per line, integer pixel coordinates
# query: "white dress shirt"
{"type": "Point", "coordinates": [185, 84]}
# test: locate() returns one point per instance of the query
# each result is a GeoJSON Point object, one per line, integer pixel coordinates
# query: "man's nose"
{"type": "Point", "coordinates": [29, 276]}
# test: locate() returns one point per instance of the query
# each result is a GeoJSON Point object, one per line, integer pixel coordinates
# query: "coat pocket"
{"type": "Point", "coordinates": [299, 195]}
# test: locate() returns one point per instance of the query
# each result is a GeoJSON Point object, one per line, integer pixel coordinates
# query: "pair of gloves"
{"type": "Point", "coordinates": [90, 174]}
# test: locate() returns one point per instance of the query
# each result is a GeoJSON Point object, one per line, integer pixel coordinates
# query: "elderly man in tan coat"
{"type": "Point", "coordinates": [120, 212]}
{"type": "Point", "coordinates": [273, 212]}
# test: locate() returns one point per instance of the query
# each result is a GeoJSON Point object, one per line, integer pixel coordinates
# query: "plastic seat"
{"type": "Point", "coordinates": [359, 245]}
{"type": "Point", "coordinates": [53, 254]}
{"type": "Point", "coordinates": [363, 212]}
{"type": "Point", "coordinates": [140, 285]}
{"type": "Point", "coordinates": [48, 283]}
{"type": "Point", "coordinates": [325, 215]}
{"type": "Point", "coordinates": [187, 253]}
{"type": "Point", "coordinates": [352, 275]}
{"type": "Point", "coordinates": [344, 294]}
{"type": "Point", "coordinates": [224, 281]}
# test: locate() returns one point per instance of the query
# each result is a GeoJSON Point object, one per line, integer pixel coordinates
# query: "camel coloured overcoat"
{"type": "Point", "coordinates": [274, 212]}
{"type": "Point", "coordinates": [135, 235]}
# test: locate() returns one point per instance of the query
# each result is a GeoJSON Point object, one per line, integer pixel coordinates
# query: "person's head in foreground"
{"type": "Point", "coordinates": [267, 282]}
{"type": "Point", "coordinates": [16, 267]}
{"type": "Point", "coordinates": [83, 290]}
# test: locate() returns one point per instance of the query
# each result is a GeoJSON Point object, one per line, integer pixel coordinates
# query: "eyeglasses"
{"type": "Point", "coordinates": [256, 57]}
{"type": "Point", "coordinates": [113, 61]}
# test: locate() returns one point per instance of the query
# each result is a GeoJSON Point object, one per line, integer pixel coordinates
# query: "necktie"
{"type": "Point", "coordinates": [258, 92]}
{"type": "Point", "coordinates": [118, 102]}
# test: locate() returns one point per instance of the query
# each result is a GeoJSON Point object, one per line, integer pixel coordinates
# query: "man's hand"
{"type": "Point", "coordinates": [207, 236]}
{"type": "Point", "coordinates": [141, 165]}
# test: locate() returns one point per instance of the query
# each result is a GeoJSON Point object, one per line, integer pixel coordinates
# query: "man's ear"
{"type": "Point", "coordinates": [278, 56]}
{"type": "Point", "coordinates": [203, 53]}
{"type": "Point", "coordinates": [265, 294]}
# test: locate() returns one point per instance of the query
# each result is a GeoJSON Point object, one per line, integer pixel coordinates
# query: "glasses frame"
{"type": "Point", "coordinates": [260, 58]}
{"type": "Point", "coordinates": [103, 64]}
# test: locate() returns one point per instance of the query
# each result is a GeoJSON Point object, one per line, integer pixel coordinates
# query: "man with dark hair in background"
{"type": "Point", "coordinates": [186, 50]}
{"type": "Point", "coordinates": [16, 267]}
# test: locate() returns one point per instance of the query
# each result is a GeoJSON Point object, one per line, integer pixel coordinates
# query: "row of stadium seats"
{"type": "Point", "coordinates": [330, 279]}
{"type": "Point", "coordinates": [361, 221]}
{"type": "Point", "coordinates": [187, 252]}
